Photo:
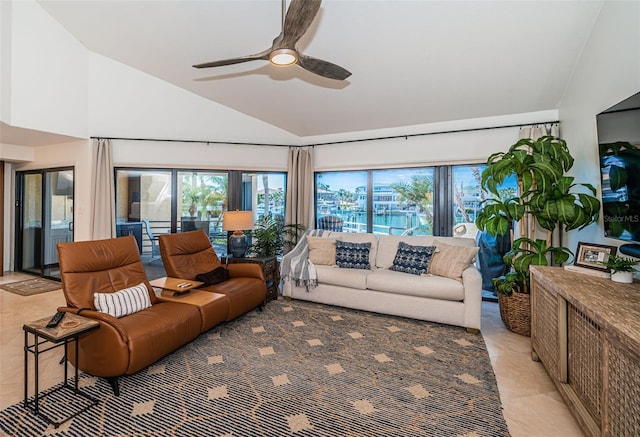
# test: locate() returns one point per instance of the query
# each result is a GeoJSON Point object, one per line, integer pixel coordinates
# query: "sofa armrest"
{"type": "Point", "coordinates": [245, 270]}
{"type": "Point", "coordinates": [103, 352]}
{"type": "Point", "coordinates": [472, 282]}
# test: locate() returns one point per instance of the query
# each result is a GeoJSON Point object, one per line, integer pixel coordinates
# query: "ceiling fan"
{"type": "Point", "coordinates": [283, 51]}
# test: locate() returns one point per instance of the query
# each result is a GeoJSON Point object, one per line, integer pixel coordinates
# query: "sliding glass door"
{"type": "Point", "coordinates": [151, 202]}
{"type": "Point", "coordinates": [44, 217]}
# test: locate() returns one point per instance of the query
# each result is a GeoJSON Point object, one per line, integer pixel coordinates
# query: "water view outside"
{"type": "Point", "coordinates": [264, 194]}
{"type": "Point", "coordinates": [402, 199]}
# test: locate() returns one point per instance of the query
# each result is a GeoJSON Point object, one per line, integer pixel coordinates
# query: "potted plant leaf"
{"type": "Point", "coordinates": [622, 268]}
{"type": "Point", "coordinates": [547, 199]}
{"type": "Point", "coordinates": [271, 235]}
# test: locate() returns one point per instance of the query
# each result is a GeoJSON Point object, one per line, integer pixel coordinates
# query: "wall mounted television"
{"type": "Point", "coordinates": [619, 151]}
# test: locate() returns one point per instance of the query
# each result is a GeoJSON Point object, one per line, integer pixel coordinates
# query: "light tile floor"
{"type": "Point", "coordinates": [532, 406]}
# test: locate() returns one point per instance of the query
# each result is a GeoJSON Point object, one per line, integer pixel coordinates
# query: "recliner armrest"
{"type": "Point", "coordinates": [245, 270]}
{"type": "Point", "coordinates": [100, 317]}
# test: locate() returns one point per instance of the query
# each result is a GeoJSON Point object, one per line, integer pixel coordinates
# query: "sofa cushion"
{"type": "Point", "coordinates": [215, 276]}
{"type": "Point", "coordinates": [360, 238]}
{"type": "Point", "coordinates": [412, 259]}
{"type": "Point", "coordinates": [450, 261]}
{"type": "Point", "coordinates": [436, 287]}
{"type": "Point", "coordinates": [353, 255]}
{"type": "Point", "coordinates": [322, 251]}
{"type": "Point", "coordinates": [124, 302]}
{"type": "Point", "coordinates": [348, 278]}
{"type": "Point", "coordinates": [388, 246]}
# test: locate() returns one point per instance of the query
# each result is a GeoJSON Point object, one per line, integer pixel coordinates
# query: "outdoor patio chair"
{"type": "Point", "coordinates": [155, 248]}
{"type": "Point", "coordinates": [330, 223]}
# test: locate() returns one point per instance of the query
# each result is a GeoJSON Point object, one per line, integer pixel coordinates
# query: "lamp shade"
{"type": "Point", "coordinates": [237, 221]}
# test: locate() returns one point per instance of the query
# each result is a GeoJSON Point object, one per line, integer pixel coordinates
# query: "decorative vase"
{"type": "Point", "coordinates": [515, 312]}
{"type": "Point", "coordinates": [193, 209]}
{"type": "Point", "coordinates": [623, 277]}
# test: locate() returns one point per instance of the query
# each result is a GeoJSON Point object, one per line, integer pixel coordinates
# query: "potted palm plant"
{"type": "Point", "coordinates": [271, 235]}
{"type": "Point", "coordinates": [547, 199]}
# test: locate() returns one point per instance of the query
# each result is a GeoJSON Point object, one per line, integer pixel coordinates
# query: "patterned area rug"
{"type": "Point", "coordinates": [300, 369]}
{"type": "Point", "coordinates": [29, 287]}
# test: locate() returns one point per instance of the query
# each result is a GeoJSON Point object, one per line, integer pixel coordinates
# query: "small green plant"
{"type": "Point", "coordinates": [619, 263]}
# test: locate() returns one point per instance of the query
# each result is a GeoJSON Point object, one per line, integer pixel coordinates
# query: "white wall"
{"type": "Point", "coordinates": [198, 155]}
{"type": "Point", "coordinates": [125, 102]}
{"type": "Point", "coordinates": [607, 72]}
{"type": "Point", "coordinates": [11, 152]}
{"type": "Point", "coordinates": [461, 147]}
{"type": "Point", "coordinates": [5, 59]}
{"type": "Point", "coordinates": [46, 69]}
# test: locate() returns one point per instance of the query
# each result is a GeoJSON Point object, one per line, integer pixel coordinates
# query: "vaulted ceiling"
{"type": "Point", "coordinates": [412, 62]}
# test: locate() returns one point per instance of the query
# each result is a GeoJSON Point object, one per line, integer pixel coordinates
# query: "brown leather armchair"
{"type": "Point", "coordinates": [125, 345]}
{"type": "Point", "coordinates": [187, 254]}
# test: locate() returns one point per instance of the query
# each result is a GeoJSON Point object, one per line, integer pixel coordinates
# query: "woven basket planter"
{"type": "Point", "coordinates": [515, 312]}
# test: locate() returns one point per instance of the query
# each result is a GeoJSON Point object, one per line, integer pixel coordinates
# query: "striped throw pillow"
{"type": "Point", "coordinates": [450, 261]}
{"type": "Point", "coordinates": [123, 302]}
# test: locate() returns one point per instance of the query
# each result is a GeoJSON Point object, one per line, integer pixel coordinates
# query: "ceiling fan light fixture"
{"type": "Point", "coordinates": [283, 57]}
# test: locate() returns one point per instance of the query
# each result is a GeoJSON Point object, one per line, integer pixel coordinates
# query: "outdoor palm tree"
{"type": "Point", "coordinates": [418, 192]}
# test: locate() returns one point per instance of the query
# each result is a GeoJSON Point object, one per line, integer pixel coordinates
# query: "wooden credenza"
{"type": "Point", "coordinates": [586, 332]}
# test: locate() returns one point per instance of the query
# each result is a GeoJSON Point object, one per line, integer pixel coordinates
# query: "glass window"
{"type": "Point", "coordinates": [201, 203]}
{"type": "Point", "coordinates": [264, 194]}
{"type": "Point", "coordinates": [150, 202]}
{"type": "Point", "coordinates": [403, 201]}
{"type": "Point", "coordinates": [143, 197]}
{"type": "Point", "coordinates": [468, 196]}
{"type": "Point", "coordinates": [342, 196]}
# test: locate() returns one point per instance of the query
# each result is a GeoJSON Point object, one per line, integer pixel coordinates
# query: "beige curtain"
{"type": "Point", "coordinates": [300, 187]}
{"type": "Point", "coordinates": [539, 130]}
{"type": "Point", "coordinates": [103, 198]}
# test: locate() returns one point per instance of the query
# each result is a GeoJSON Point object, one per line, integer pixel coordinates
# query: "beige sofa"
{"type": "Point", "coordinates": [428, 296]}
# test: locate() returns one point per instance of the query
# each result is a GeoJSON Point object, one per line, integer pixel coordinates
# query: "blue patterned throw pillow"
{"type": "Point", "coordinates": [352, 255]}
{"type": "Point", "coordinates": [412, 259]}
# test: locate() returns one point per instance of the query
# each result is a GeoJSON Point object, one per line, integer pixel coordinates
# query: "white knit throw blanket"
{"type": "Point", "coordinates": [295, 266]}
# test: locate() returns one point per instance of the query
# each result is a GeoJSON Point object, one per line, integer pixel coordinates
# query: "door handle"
{"type": "Point", "coordinates": [71, 226]}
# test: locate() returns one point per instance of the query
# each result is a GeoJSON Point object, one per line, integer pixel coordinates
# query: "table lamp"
{"type": "Point", "coordinates": [237, 221]}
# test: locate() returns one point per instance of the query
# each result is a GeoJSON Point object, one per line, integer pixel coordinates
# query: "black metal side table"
{"type": "Point", "coordinates": [69, 330]}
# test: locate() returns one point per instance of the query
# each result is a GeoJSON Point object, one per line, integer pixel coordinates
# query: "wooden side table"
{"type": "Point", "coordinates": [270, 270]}
{"type": "Point", "coordinates": [176, 285]}
{"type": "Point", "coordinates": [70, 329]}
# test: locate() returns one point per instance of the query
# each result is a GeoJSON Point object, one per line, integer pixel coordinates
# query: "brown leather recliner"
{"type": "Point", "coordinates": [187, 254]}
{"type": "Point", "coordinates": [125, 345]}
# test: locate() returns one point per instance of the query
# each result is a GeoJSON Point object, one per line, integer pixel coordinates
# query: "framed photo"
{"type": "Point", "coordinates": [592, 256]}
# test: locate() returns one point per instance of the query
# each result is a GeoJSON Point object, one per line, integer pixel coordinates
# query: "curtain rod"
{"type": "Point", "coordinates": [190, 141]}
{"type": "Point", "coordinates": [406, 136]}
{"type": "Point", "coordinates": [435, 133]}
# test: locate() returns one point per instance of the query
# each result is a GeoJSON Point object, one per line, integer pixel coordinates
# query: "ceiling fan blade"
{"type": "Point", "coordinates": [299, 17]}
{"type": "Point", "coordinates": [262, 55]}
{"type": "Point", "coordinates": [323, 68]}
